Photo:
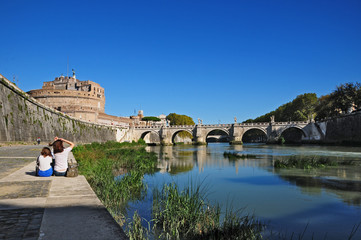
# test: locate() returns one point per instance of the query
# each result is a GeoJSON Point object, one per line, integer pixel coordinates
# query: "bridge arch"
{"type": "Point", "coordinates": [218, 132]}
{"type": "Point", "coordinates": [174, 134]}
{"type": "Point", "coordinates": [293, 134]}
{"type": "Point", "coordinates": [151, 137]}
{"type": "Point", "coordinates": [255, 135]}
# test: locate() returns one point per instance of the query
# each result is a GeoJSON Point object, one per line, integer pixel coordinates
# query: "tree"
{"type": "Point", "coordinates": [150, 118]}
{"type": "Point", "coordinates": [176, 119]}
{"type": "Point", "coordinates": [357, 99]}
{"type": "Point", "coordinates": [325, 107]}
{"type": "Point", "coordinates": [344, 97]}
{"type": "Point", "coordinates": [298, 110]}
{"type": "Point", "coordinates": [309, 101]}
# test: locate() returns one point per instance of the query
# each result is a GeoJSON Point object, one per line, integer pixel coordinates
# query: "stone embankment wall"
{"type": "Point", "coordinates": [345, 129]}
{"type": "Point", "coordinates": [22, 118]}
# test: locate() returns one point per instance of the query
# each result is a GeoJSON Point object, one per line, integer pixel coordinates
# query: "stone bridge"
{"type": "Point", "coordinates": [310, 131]}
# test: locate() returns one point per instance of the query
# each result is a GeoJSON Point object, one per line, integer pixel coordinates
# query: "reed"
{"type": "Point", "coordinates": [115, 170]}
{"type": "Point", "coordinates": [136, 230]}
{"type": "Point", "coordinates": [186, 214]}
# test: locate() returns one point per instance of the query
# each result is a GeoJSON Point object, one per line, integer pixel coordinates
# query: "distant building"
{"type": "Point", "coordinates": [162, 122]}
{"type": "Point", "coordinates": [137, 119]}
{"type": "Point", "coordinates": [81, 99]}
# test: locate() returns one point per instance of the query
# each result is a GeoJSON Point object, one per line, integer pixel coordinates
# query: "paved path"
{"type": "Point", "coordinates": [48, 208]}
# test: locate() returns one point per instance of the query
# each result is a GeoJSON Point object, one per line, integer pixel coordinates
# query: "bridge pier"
{"type": "Point", "coordinates": [236, 134]}
{"type": "Point", "coordinates": [165, 143]}
{"type": "Point", "coordinates": [272, 136]}
{"type": "Point", "coordinates": [200, 135]}
{"type": "Point", "coordinates": [236, 141]}
{"type": "Point", "coordinates": [200, 141]}
{"type": "Point", "coordinates": [165, 137]}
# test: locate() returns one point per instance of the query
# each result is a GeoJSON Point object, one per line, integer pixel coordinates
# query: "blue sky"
{"type": "Point", "coordinates": [212, 60]}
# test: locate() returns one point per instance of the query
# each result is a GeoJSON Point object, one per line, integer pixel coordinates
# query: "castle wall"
{"type": "Point", "coordinates": [345, 129]}
{"type": "Point", "coordinates": [69, 101]}
{"type": "Point", "coordinates": [22, 118]}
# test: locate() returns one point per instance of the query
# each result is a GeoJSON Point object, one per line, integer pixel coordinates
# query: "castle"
{"type": "Point", "coordinates": [81, 99]}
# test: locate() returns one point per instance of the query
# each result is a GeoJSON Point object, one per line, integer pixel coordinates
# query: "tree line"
{"type": "Point", "coordinates": [176, 119]}
{"type": "Point", "coordinates": [344, 99]}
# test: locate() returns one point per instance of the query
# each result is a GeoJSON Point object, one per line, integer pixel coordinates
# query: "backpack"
{"type": "Point", "coordinates": [37, 167]}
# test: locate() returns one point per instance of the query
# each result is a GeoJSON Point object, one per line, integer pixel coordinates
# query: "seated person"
{"type": "Point", "coordinates": [44, 163]}
{"type": "Point", "coordinates": [61, 156]}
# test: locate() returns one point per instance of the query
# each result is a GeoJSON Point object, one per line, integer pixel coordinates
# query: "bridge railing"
{"type": "Point", "coordinates": [215, 125]}
{"type": "Point", "coordinates": [148, 127]}
{"type": "Point", "coordinates": [182, 126]}
{"type": "Point", "coordinates": [255, 124]}
{"type": "Point", "coordinates": [158, 127]}
{"type": "Point", "coordinates": [292, 123]}
{"type": "Point", "coordinates": [225, 125]}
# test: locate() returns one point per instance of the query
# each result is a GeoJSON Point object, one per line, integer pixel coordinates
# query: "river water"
{"type": "Point", "coordinates": [325, 203]}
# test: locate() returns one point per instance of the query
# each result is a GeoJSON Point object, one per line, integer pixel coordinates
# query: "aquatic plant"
{"type": "Point", "coordinates": [103, 163]}
{"type": "Point", "coordinates": [235, 155]}
{"type": "Point", "coordinates": [305, 162]}
{"type": "Point", "coordinates": [179, 213]}
{"type": "Point", "coordinates": [350, 163]}
{"type": "Point", "coordinates": [186, 214]}
{"type": "Point", "coordinates": [354, 230]}
{"type": "Point", "coordinates": [135, 229]}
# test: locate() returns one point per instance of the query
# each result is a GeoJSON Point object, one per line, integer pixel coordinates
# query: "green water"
{"type": "Point", "coordinates": [325, 202]}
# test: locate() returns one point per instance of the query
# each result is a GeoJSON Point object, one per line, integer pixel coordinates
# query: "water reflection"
{"type": "Point", "coordinates": [212, 156]}
{"type": "Point", "coordinates": [173, 161]}
{"type": "Point", "coordinates": [348, 191]}
{"type": "Point", "coordinates": [288, 198]}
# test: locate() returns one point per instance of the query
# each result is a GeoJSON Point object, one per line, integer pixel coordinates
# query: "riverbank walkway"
{"type": "Point", "coordinates": [48, 208]}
